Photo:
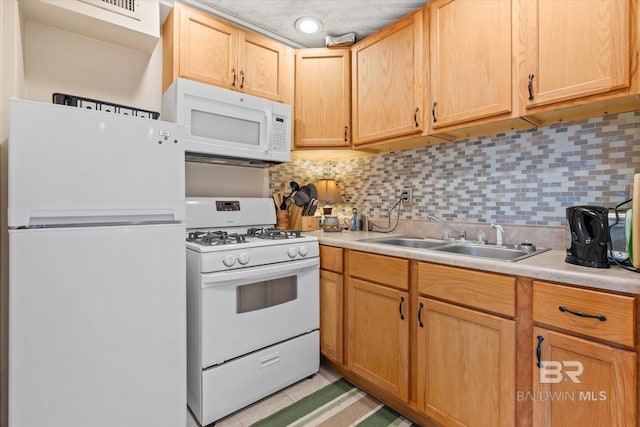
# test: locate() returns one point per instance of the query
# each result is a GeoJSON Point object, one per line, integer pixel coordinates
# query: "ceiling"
{"type": "Point", "coordinates": [338, 17]}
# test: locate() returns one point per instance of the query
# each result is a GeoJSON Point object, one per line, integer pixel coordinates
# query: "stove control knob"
{"type": "Point", "coordinates": [229, 260]}
{"type": "Point", "coordinates": [303, 251]}
{"type": "Point", "coordinates": [243, 258]}
{"type": "Point", "coordinates": [292, 252]}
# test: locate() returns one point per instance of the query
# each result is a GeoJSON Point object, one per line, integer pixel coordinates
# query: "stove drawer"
{"type": "Point", "coordinates": [243, 381]}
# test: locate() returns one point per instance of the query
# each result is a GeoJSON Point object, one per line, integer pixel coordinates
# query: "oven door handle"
{"type": "Point", "coordinates": [257, 274]}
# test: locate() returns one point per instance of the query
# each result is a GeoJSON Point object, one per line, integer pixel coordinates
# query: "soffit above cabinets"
{"type": "Point", "coordinates": [338, 17]}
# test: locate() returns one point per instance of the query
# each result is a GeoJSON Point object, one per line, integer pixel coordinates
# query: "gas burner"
{"type": "Point", "coordinates": [273, 233]}
{"type": "Point", "coordinates": [215, 238]}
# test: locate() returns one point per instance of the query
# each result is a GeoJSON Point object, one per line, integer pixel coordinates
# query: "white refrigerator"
{"type": "Point", "coordinates": [97, 322]}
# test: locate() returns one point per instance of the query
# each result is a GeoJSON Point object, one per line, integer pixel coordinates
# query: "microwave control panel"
{"type": "Point", "coordinates": [280, 133]}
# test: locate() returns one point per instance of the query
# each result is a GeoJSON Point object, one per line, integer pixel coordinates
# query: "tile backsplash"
{"type": "Point", "coordinates": [523, 177]}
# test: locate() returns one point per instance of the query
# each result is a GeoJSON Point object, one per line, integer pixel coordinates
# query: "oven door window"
{"type": "Point", "coordinates": [269, 293]}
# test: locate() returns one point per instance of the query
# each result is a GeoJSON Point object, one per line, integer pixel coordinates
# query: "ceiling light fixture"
{"type": "Point", "coordinates": [308, 25]}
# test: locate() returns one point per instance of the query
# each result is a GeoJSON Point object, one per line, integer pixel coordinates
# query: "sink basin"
{"type": "Point", "coordinates": [470, 249]}
{"type": "Point", "coordinates": [407, 242]}
{"type": "Point", "coordinates": [506, 254]}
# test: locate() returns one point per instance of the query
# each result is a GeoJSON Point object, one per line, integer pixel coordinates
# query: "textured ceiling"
{"type": "Point", "coordinates": [338, 17]}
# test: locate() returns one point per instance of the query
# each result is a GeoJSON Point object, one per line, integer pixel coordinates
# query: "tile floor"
{"type": "Point", "coordinates": [267, 406]}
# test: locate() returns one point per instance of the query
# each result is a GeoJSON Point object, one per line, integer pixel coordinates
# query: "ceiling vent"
{"type": "Point", "coordinates": [128, 8]}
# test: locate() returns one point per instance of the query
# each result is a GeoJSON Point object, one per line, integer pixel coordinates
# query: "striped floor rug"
{"type": "Point", "coordinates": [339, 404]}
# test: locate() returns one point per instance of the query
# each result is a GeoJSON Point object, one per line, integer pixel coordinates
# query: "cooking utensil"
{"type": "Point", "coordinates": [314, 206]}
{"type": "Point", "coordinates": [301, 198]}
{"type": "Point", "coordinates": [294, 186]}
{"type": "Point", "coordinates": [307, 208]}
{"type": "Point", "coordinates": [313, 191]}
{"type": "Point", "coordinates": [277, 200]}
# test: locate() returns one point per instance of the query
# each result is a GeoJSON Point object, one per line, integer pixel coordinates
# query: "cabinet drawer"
{"type": "Point", "coordinates": [331, 258]}
{"type": "Point", "coordinates": [380, 269]}
{"type": "Point", "coordinates": [486, 291]}
{"type": "Point", "coordinates": [552, 302]}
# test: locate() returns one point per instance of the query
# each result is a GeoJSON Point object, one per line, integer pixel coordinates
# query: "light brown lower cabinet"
{"type": "Point", "coordinates": [378, 340]}
{"type": "Point", "coordinates": [466, 366]}
{"type": "Point", "coordinates": [331, 303]}
{"type": "Point", "coordinates": [577, 382]}
{"type": "Point", "coordinates": [331, 318]}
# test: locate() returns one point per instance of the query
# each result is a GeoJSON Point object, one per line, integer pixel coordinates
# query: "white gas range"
{"type": "Point", "coordinates": [252, 305]}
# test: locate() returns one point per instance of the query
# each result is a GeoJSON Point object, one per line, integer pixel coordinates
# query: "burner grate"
{"type": "Point", "coordinates": [215, 238]}
{"type": "Point", "coordinates": [273, 233]}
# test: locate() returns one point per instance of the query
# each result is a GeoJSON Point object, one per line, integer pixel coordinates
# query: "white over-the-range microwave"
{"type": "Point", "coordinates": [228, 127]}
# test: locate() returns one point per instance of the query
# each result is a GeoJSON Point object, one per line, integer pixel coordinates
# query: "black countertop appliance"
{"type": "Point", "coordinates": [588, 236]}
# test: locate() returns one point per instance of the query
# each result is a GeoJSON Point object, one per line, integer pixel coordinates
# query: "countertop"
{"type": "Point", "coordinates": [548, 265]}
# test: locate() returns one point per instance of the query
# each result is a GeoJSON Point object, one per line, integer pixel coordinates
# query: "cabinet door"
{"type": "Point", "coordinates": [470, 60]}
{"type": "Point", "coordinates": [261, 66]}
{"type": "Point", "coordinates": [387, 82]}
{"type": "Point", "coordinates": [208, 49]}
{"type": "Point", "coordinates": [582, 383]}
{"type": "Point", "coordinates": [466, 366]}
{"type": "Point", "coordinates": [378, 342]}
{"type": "Point", "coordinates": [323, 98]}
{"type": "Point", "coordinates": [574, 48]}
{"type": "Point", "coordinates": [331, 317]}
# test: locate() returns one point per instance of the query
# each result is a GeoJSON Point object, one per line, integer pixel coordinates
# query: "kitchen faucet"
{"type": "Point", "coordinates": [499, 234]}
{"type": "Point", "coordinates": [461, 234]}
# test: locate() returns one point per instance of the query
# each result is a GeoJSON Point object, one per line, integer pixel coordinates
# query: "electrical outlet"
{"type": "Point", "coordinates": [407, 195]}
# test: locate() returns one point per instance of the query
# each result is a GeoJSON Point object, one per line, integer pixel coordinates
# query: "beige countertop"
{"type": "Point", "coordinates": [548, 265]}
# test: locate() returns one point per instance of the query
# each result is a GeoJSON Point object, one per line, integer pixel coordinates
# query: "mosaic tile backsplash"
{"type": "Point", "coordinates": [524, 177]}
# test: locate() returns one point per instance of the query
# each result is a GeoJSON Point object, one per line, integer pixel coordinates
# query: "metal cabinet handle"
{"type": "Point", "coordinates": [346, 132]}
{"type": "Point", "coordinates": [530, 86]}
{"type": "Point", "coordinates": [433, 111]}
{"type": "Point", "coordinates": [420, 315]}
{"type": "Point", "coordinates": [242, 81]}
{"type": "Point", "coordinates": [400, 308]}
{"type": "Point", "coordinates": [415, 117]}
{"type": "Point", "coordinates": [233, 70]}
{"type": "Point", "coordinates": [600, 317]}
{"type": "Point", "coordinates": [539, 351]}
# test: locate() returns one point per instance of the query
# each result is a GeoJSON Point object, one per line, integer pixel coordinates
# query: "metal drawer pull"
{"type": "Point", "coordinates": [433, 111]}
{"type": "Point", "coordinates": [346, 131]}
{"type": "Point", "coordinates": [420, 315]}
{"type": "Point", "coordinates": [401, 302]}
{"type": "Point", "coordinates": [233, 70]}
{"type": "Point", "coordinates": [600, 317]}
{"type": "Point", "coordinates": [415, 117]}
{"type": "Point", "coordinates": [539, 350]}
{"type": "Point", "coordinates": [242, 82]}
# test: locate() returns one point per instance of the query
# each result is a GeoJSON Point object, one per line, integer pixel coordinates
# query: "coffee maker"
{"type": "Point", "coordinates": [588, 236]}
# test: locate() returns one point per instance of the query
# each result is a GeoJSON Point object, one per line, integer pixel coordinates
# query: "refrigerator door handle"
{"type": "Point", "coordinates": [18, 217]}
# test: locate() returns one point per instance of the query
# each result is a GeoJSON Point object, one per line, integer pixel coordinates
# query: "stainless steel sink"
{"type": "Point", "coordinates": [502, 253]}
{"type": "Point", "coordinates": [407, 242]}
{"type": "Point", "coordinates": [467, 248]}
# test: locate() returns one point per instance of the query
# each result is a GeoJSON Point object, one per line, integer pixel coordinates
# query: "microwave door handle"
{"type": "Point", "coordinates": [269, 143]}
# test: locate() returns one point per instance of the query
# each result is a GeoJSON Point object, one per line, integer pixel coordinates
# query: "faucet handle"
{"type": "Point", "coordinates": [463, 235]}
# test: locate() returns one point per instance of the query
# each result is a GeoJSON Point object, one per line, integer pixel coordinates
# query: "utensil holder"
{"type": "Point", "coordinates": [282, 219]}
{"type": "Point", "coordinates": [309, 223]}
{"type": "Point", "coordinates": [295, 217]}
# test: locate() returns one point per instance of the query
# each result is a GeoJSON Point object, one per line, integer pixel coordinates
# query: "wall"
{"type": "Point", "coordinates": [11, 84]}
{"type": "Point", "coordinates": [525, 177]}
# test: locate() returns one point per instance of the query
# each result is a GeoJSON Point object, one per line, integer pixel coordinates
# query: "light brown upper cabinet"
{"type": "Point", "coordinates": [323, 98]}
{"type": "Point", "coordinates": [387, 79]}
{"type": "Point", "coordinates": [573, 49]}
{"type": "Point", "coordinates": [199, 47]}
{"type": "Point", "coordinates": [470, 61]}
